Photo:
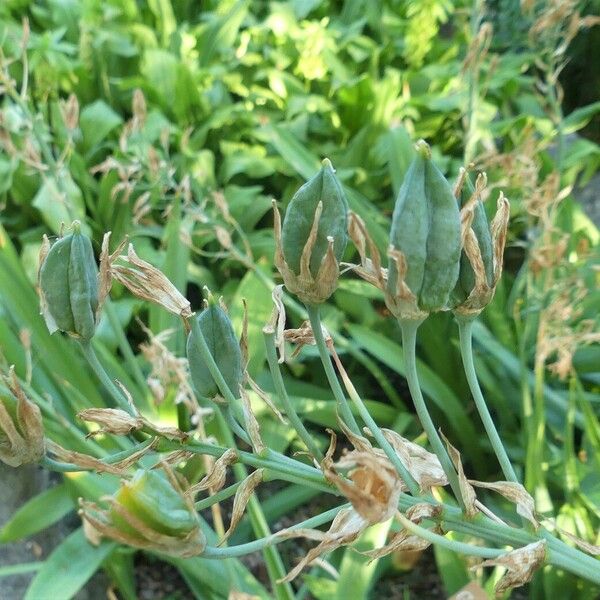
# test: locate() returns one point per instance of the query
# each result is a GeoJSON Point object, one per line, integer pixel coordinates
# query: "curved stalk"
{"type": "Point", "coordinates": [409, 342]}
{"type": "Point", "coordinates": [267, 541]}
{"type": "Point", "coordinates": [343, 406]}
{"type": "Point", "coordinates": [102, 375]}
{"type": "Point", "coordinates": [412, 485]}
{"type": "Point", "coordinates": [465, 328]}
{"type": "Point", "coordinates": [290, 412]}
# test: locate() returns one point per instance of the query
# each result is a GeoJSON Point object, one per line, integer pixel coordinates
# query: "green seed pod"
{"type": "Point", "coordinates": [220, 338]}
{"type": "Point", "coordinates": [21, 429]}
{"type": "Point", "coordinates": [481, 229]}
{"type": "Point", "coordinates": [483, 248]}
{"type": "Point", "coordinates": [69, 285]}
{"type": "Point", "coordinates": [313, 238]}
{"type": "Point", "coordinates": [150, 511]}
{"type": "Point", "coordinates": [425, 241]}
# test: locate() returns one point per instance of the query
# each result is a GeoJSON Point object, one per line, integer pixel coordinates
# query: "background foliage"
{"type": "Point", "coordinates": [176, 125]}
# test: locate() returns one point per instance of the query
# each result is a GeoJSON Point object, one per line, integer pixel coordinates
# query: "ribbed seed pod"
{"type": "Point", "coordinates": [151, 512]}
{"type": "Point", "coordinates": [483, 235]}
{"type": "Point", "coordinates": [68, 284]}
{"type": "Point", "coordinates": [483, 248]}
{"type": "Point", "coordinates": [425, 241]}
{"type": "Point", "coordinates": [313, 238]}
{"type": "Point", "coordinates": [224, 347]}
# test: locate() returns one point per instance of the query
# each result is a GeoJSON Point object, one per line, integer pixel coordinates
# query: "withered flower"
{"type": "Point", "coordinates": [21, 428]}
{"type": "Point", "coordinates": [150, 511]}
{"type": "Point", "coordinates": [143, 280]}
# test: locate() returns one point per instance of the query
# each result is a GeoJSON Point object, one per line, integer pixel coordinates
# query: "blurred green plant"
{"type": "Point", "coordinates": [176, 128]}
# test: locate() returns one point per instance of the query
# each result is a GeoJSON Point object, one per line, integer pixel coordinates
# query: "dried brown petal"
{"type": "Point", "coordinates": [516, 493]}
{"type": "Point", "coordinates": [521, 565]}
{"type": "Point", "coordinates": [345, 529]}
{"type": "Point", "coordinates": [147, 282]}
{"type": "Point", "coordinates": [423, 465]}
{"type": "Point", "coordinates": [276, 323]}
{"type": "Point", "coordinates": [111, 420]}
{"type": "Point", "coordinates": [215, 480]}
{"type": "Point", "coordinates": [265, 398]}
{"type": "Point", "coordinates": [241, 499]}
{"type": "Point", "coordinates": [23, 441]}
{"type": "Point", "coordinates": [468, 493]}
{"type": "Point", "coordinates": [252, 427]}
{"type": "Point", "coordinates": [592, 549]}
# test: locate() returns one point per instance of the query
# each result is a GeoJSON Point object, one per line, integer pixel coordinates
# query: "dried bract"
{"type": "Point", "coordinates": [149, 283]}
{"type": "Point", "coordinates": [521, 565]}
{"type": "Point", "coordinates": [21, 428]}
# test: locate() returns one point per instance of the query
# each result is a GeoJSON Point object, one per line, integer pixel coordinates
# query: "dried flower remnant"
{"type": "Point", "coordinates": [404, 540]}
{"type": "Point", "coordinates": [215, 480]}
{"type": "Point", "coordinates": [521, 565]}
{"type": "Point", "coordinates": [310, 244]}
{"type": "Point", "coordinates": [111, 420]}
{"type": "Point", "coordinates": [516, 493]}
{"type": "Point", "coordinates": [21, 428]}
{"type": "Point", "coordinates": [150, 511]}
{"type": "Point", "coordinates": [241, 499]}
{"type": "Point", "coordinates": [372, 484]}
{"type": "Point", "coordinates": [147, 282]}
{"type": "Point", "coordinates": [466, 489]}
{"type": "Point", "coordinates": [344, 530]}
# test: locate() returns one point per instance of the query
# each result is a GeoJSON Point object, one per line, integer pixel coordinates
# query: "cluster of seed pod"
{"type": "Point", "coordinates": [443, 253]}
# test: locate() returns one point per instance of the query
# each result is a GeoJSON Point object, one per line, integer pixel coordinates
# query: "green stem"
{"type": "Point", "coordinates": [343, 406]}
{"type": "Point", "coordinates": [267, 541]}
{"type": "Point", "coordinates": [435, 538]}
{"type": "Point", "coordinates": [62, 467]}
{"type": "Point", "coordinates": [409, 342]}
{"type": "Point", "coordinates": [102, 375]}
{"type": "Point", "coordinates": [291, 413]}
{"type": "Point", "coordinates": [124, 345]}
{"type": "Point", "coordinates": [465, 328]}
{"type": "Point", "coordinates": [273, 561]}
{"type": "Point", "coordinates": [218, 496]}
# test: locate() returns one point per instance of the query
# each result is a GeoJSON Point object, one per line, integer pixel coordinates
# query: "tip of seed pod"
{"type": "Point", "coordinates": [327, 164]}
{"type": "Point", "coordinates": [422, 147]}
{"type": "Point", "coordinates": [76, 226]}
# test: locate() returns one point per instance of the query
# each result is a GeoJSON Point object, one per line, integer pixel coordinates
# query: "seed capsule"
{"type": "Point", "coordinates": [425, 242]}
{"type": "Point", "coordinates": [483, 248]}
{"type": "Point", "coordinates": [151, 512]}
{"type": "Point", "coordinates": [220, 338]}
{"type": "Point", "coordinates": [313, 238]}
{"type": "Point", "coordinates": [21, 429]}
{"type": "Point", "coordinates": [69, 286]}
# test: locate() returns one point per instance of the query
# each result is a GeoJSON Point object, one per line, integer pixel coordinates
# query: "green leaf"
{"type": "Point", "coordinates": [40, 512]}
{"type": "Point", "coordinates": [60, 202]}
{"type": "Point", "coordinates": [580, 117]}
{"type": "Point", "coordinates": [96, 122]}
{"type": "Point", "coordinates": [68, 568]}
